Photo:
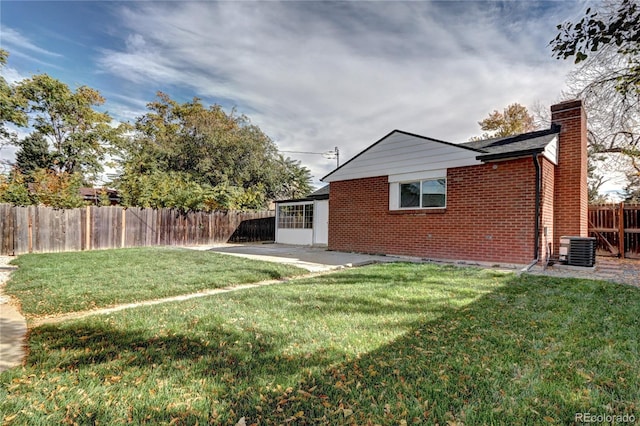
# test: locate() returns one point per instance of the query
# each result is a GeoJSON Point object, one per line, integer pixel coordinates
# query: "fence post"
{"type": "Point", "coordinates": [124, 228]}
{"type": "Point", "coordinates": [30, 229]}
{"type": "Point", "coordinates": [621, 230]}
{"type": "Point", "coordinates": [87, 236]}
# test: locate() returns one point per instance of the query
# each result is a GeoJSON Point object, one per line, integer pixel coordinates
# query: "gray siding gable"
{"type": "Point", "coordinates": [400, 152]}
{"type": "Point", "coordinates": [403, 153]}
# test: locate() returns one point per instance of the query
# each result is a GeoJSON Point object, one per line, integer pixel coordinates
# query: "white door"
{"type": "Point", "coordinates": [321, 222]}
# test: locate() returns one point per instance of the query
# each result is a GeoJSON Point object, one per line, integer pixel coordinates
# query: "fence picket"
{"type": "Point", "coordinates": [619, 225]}
{"type": "Point", "coordinates": [42, 229]}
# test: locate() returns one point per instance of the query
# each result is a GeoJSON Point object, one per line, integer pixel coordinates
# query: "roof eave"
{"type": "Point", "coordinates": [509, 155]}
{"type": "Point", "coordinates": [307, 199]}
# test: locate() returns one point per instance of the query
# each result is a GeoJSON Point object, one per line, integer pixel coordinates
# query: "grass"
{"type": "Point", "coordinates": [383, 344]}
{"type": "Point", "coordinates": [56, 283]}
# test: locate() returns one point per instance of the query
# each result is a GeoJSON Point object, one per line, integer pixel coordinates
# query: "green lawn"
{"type": "Point", "coordinates": [383, 344]}
{"type": "Point", "coordinates": [57, 283]}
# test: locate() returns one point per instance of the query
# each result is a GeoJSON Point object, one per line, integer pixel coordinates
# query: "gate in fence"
{"type": "Point", "coordinates": [616, 228]}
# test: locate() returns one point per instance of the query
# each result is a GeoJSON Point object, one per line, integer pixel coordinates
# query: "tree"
{"type": "Point", "coordinates": [209, 152]}
{"type": "Point", "coordinates": [33, 154]}
{"type": "Point", "coordinates": [79, 136]}
{"type": "Point", "coordinates": [632, 189]}
{"type": "Point", "coordinates": [68, 143]}
{"type": "Point", "coordinates": [292, 180]}
{"type": "Point", "coordinates": [618, 25]}
{"type": "Point", "coordinates": [14, 190]}
{"type": "Point", "coordinates": [606, 44]}
{"type": "Point", "coordinates": [513, 120]}
{"type": "Point", "coordinates": [56, 189]}
{"type": "Point", "coordinates": [10, 102]}
{"type": "Point", "coordinates": [10, 107]}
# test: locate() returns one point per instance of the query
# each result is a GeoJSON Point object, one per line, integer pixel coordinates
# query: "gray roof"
{"type": "Point", "coordinates": [320, 193]}
{"type": "Point", "coordinates": [514, 145]}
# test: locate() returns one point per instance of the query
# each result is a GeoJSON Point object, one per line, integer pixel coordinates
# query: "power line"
{"type": "Point", "coordinates": [330, 155]}
{"type": "Point", "coordinates": [302, 152]}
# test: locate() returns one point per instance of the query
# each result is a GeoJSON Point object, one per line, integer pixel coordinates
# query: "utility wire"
{"type": "Point", "coordinates": [327, 154]}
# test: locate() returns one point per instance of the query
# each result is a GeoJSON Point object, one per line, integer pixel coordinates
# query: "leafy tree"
{"type": "Point", "coordinates": [56, 189]}
{"type": "Point", "coordinates": [513, 120]}
{"type": "Point", "coordinates": [224, 159]}
{"type": "Point", "coordinates": [13, 189]}
{"type": "Point", "coordinates": [606, 44]}
{"type": "Point", "coordinates": [68, 143]}
{"type": "Point", "coordinates": [10, 107]}
{"type": "Point", "coordinates": [619, 26]}
{"type": "Point", "coordinates": [103, 198]}
{"type": "Point", "coordinates": [46, 187]}
{"type": "Point", "coordinates": [33, 154]}
{"type": "Point", "coordinates": [10, 102]}
{"type": "Point", "coordinates": [79, 136]}
{"type": "Point", "coordinates": [178, 190]}
{"type": "Point", "coordinates": [292, 180]}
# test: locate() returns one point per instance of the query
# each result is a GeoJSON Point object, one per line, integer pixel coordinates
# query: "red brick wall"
{"type": "Point", "coordinates": [571, 198]}
{"type": "Point", "coordinates": [489, 216]}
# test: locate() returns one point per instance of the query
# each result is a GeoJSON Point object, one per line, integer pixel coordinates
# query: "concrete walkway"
{"type": "Point", "coordinates": [313, 259]}
{"type": "Point", "coordinates": [13, 326]}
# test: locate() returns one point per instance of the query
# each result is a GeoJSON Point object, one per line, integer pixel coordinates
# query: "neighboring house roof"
{"type": "Point", "coordinates": [320, 194]}
{"type": "Point", "coordinates": [89, 194]}
{"type": "Point", "coordinates": [94, 194]}
{"type": "Point", "coordinates": [402, 155]}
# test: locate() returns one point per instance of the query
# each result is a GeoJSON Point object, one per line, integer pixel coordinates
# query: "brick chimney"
{"type": "Point", "coordinates": [571, 196]}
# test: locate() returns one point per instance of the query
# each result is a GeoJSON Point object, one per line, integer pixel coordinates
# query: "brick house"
{"type": "Point", "coordinates": [503, 200]}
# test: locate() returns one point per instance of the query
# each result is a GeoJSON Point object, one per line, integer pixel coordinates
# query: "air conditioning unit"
{"type": "Point", "coordinates": [578, 251]}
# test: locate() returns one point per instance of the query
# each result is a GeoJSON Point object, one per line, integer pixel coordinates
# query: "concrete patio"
{"type": "Point", "coordinates": [314, 259]}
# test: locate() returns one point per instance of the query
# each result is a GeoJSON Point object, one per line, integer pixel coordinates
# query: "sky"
{"type": "Point", "coordinates": [312, 75]}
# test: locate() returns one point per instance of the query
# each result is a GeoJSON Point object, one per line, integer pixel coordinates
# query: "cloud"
{"type": "Point", "coordinates": [314, 75]}
{"type": "Point", "coordinates": [16, 41]}
{"type": "Point", "coordinates": [12, 75]}
{"type": "Point", "coordinates": [125, 108]}
{"type": "Point", "coordinates": [7, 151]}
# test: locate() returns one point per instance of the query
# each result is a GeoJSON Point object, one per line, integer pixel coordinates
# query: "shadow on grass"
{"type": "Point", "coordinates": [137, 369]}
{"type": "Point", "coordinates": [217, 350]}
{"type": "Point", "coordinates": [534, 351]}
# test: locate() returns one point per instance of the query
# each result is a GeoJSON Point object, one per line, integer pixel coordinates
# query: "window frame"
{"type": "Point", "coordinates": [421, 193]}
{"type": "Point", "coordinates": [296, 219]}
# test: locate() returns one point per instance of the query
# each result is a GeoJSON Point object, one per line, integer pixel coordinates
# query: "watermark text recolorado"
{"type": "Point", "coordinates": [604, 418]}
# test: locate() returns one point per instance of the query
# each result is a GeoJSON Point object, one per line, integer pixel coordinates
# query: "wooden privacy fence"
{"type": "Point", "coordinates": [39, 229]}
{"type": "Point", "coordinates": [616, 228]}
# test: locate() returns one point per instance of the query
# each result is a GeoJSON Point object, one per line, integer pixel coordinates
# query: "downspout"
{"type": "Point", "coordinates": [536, 227]}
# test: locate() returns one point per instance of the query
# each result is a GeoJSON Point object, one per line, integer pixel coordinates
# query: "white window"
{"type": "Point", "coordinates": [427, 193]}
{"type": "Point", "coordinates": [299, 216]}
